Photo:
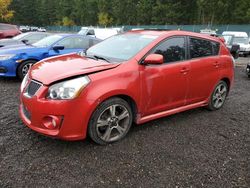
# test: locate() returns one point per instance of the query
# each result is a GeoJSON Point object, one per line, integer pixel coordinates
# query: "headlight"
{"type": "Point", "coordinates": [69, 89]}
{"type": "Point", "coordinates": [24, 82]}
{"type": "Point", "coordinates": [6, 57]}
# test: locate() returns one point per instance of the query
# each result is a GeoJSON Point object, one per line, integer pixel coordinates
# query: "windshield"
{"type": "Point", "coordinates": [83, 31]}
{"type": "Point", "coordinates": [21, 36]}
{"type": "Point", "coordinates": [241, 40]}
{"type": "Point", "coordinates": [228, 39]}
{"type": "Point", "coordinates": [48, 41]}
{"type": "Point", "coordinates": [121, 47]}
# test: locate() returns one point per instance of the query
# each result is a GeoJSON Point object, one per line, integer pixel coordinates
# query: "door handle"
{"type": "Point", "coordinates": [216, 64]}
{"type": "Point", "coordinates": [184, 70]}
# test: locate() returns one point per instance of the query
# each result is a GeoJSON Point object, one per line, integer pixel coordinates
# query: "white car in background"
{"type": "Point", "coordinates": [41, 29]}
{"type": "Point", "coordinates": [100, 33]}
{"type": "Point", "coordinates": [208, 32]}
{"type": "Point", "coordinates": [242, 39]}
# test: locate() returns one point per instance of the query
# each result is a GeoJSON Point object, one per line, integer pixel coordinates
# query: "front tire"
{"type": "Point", "coordinates": [23, 69]}
{"type": "Point", "coordinates": [110, 122]}
{"type": "Point", "coordinates": [218, 96]}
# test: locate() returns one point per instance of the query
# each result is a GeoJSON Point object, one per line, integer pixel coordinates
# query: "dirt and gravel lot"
{"type": "Point", "coordinates": [197, 148]}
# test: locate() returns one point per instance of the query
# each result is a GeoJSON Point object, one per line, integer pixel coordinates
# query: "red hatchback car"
{"type": "Point", "coordinates": [132, 77]}
{"type": "Point", "coordinates": [8, 31]}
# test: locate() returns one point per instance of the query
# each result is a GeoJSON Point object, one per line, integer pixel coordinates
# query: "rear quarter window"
{"type": "Point", "coordinates": [200, 48]}
{"type": "Point", "coordinates": [203, 48]}
{"type": "Point", "coordinates": [216, 48]}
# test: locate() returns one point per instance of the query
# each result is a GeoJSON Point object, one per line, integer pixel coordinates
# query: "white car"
{"type": "Point", "coordinates": [41, 29]}
{"type": "Point", "coordinates": [100, 33]}
{"type": "Point", "coordinates": [23, 28]}
{"type": "Point", "coordinates": [242, 39]}
{"type": "Point", "coordinates": [208, 31]}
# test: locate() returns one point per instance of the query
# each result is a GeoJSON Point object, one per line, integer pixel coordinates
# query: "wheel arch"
{"type": "Point", "coordinates": [131, 103]}
{"type": "Point", "coordinates": [31, 59]}
{"type": "Point", "coordinates": [129, 99]}
{"type": "Point", "coordinates": [225, 79]}
{"type": "Point", "coordinates": [228, 82]}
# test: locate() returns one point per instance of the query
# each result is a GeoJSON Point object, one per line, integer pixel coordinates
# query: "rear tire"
{"type": "Point", "coordinates": [23, 69]}
{"type": "Point", "coordinates": [218, 96]}
{"type": "Point", "coordinates": [110, 122]}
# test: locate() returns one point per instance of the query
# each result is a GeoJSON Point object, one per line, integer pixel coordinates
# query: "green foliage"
{"type": "Point", "coordinates": [129, 12]}
{"type": "Point", "coordinates": [66, 21]}
{"type": "Point", "coordinates": [104, 19]}
{"type": "Point", "coordinates": [5, 13]}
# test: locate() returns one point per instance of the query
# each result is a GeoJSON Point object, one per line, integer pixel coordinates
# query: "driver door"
{"type": "Point", "coordinates": [165, 86]}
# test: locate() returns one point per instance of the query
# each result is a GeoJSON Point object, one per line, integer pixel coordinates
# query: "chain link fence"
{"type": "Point", "coordinates": [195, 28]}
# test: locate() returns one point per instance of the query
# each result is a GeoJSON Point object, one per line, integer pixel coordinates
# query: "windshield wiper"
{"type": "Point", "coordinates": [102, 58]}
{"type": "Point", "coordinates": [96, 57]}
{"type": "Point", "coordinates": [91, 57]}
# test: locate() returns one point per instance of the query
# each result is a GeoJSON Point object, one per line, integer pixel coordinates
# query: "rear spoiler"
{"type": "Point", "coordinates": [222, 39]}
{"type": "Point", "coordinates": [219, 37]}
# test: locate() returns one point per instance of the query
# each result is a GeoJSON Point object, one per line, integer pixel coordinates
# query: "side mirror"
{"type": "Point", "coordinates": [25, 41]}
{"type": "Point", "coordinates": [154, 59]}
{"type": "Point", "coordinates": [56, 48]}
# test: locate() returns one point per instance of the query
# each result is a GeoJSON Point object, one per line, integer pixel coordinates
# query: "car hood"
{"type": "Point", "coordinates": [58, 68]}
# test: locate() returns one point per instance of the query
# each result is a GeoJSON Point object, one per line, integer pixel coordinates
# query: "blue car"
{"type": "Point", "coordinates": [17, 60]}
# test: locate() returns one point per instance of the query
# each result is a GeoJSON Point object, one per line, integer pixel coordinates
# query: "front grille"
{"type": "Point", "coordinates": [32, 88]}
{"type": "Point", "coordinates": [26, 112]}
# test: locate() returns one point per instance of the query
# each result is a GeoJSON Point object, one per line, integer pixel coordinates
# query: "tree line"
{"type": "Point", "coordinates": [128, 12]}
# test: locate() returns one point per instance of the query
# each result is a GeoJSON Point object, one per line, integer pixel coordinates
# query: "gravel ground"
{"type": "Point", "coordinates": [197, 148]}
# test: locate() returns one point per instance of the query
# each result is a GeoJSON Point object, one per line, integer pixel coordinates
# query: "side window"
{"type": "Point", "coordinates": [83, 43]}
{"type": "Point", "coordinates": [200, 48]}
{"type": "Point", "coordinates": [172, 49]}
{"type": "Point", "coordinates": [34, 38]}
{"type": "Point", "coordinates": [67, 43]}
{"type": "Point", "coordinates": [74, 43]}
{"type": "Point", "coordinates": [216, 48]}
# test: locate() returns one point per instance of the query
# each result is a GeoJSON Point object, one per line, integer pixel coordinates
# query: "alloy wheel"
{"type": "Point", "coordinates": [219, 96]}
{"type": "Point", "coordinates": [113, 123]}
{"type": "Point", "coordinates": [26, 68]}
